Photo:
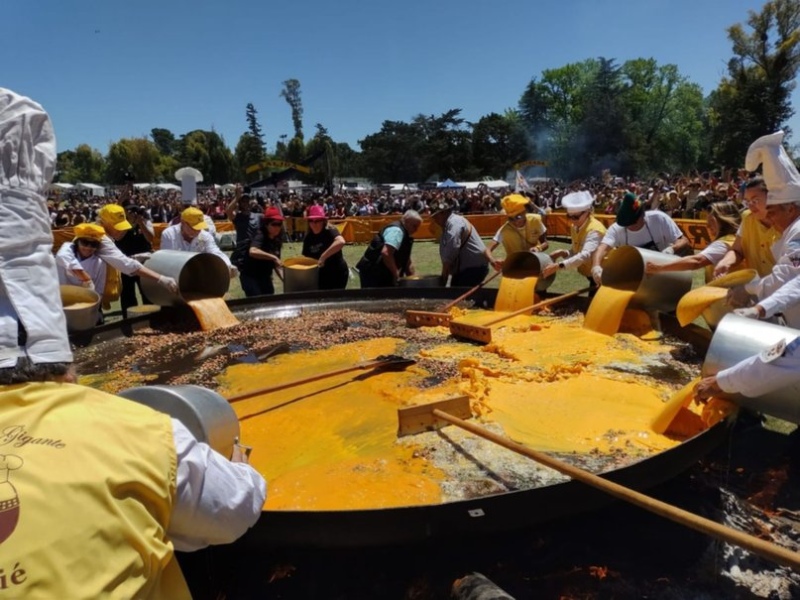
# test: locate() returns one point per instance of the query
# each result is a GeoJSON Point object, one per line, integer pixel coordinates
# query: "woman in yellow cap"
{"type": "Point", "coordinates": [523, 232]}
{"type": "Point", "coordinates": [78, 262]}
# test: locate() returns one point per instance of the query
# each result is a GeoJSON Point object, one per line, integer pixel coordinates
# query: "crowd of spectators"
{"type": "Point", "coordinates": [678, 196]}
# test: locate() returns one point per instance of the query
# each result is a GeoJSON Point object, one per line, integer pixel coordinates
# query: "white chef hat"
{"type": "Point", "coordinates": [188, 176]}
{"type": "Point", "coordinates": [780, 174]}
{"type": "Point", "coordinates": [577, 202]}
{"type": "Point", "coordinates": [30, 300]}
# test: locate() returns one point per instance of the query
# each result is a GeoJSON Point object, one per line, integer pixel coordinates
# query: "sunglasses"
{"type": "Point", "coordinates": [275, 223]}
{"type": "Point", "coordinates": [575, 217]}
{"type": "Point", "coordinates": [89, 243]}
{"type": "Point", "coordinates": [518, 217]}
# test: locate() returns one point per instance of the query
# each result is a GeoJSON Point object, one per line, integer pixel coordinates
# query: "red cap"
{"type": "Point", "coordinates": [273, 214]}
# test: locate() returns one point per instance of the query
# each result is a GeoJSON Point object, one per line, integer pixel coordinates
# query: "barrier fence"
{"type": "Point", "coordinates": [360, 230]}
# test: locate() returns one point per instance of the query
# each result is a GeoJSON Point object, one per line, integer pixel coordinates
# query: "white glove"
{"type": "Point", "coordinates": [142, 257]}
{"type": "Point", "coordinates": [597, 274]}
{"type": "Point", "coordinates": [749, 313]}
{"type": "Point", "coordinates": [88, 284]}
{"type": "Point", "coordinates": [234, 271]}
{"type": "Point", "coordinates": [169, 283]}
{"type": "Point", "coordinates": [668, 250]}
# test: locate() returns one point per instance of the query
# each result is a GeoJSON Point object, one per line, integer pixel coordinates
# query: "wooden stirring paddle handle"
{"type": "Point", "coordinates": [541, 304]}
{"type": "Point", "coordinates": [469, 293]}
{"type": "Point", "coordinates": [779, 555]}
{"type": "Point", "coordinates": [282, 386]}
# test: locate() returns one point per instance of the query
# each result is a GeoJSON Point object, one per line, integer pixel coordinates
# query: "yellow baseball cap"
{"type": "Point", "coordinates": [89, 231]}
{"type": "Point", "coordinates": [194, 218]}
{"type": "Point", "coordinates": [514, 204]}
{"type": "Point", "coordinates": [113, 215]}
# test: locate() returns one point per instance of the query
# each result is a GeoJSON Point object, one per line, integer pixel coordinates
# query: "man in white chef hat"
{"type": "Point", "coordinates": [586, 233]}
{"type": "Point", "coordinates": [778, 292]}
{"type": "Point", "coordinates": [103, 490]}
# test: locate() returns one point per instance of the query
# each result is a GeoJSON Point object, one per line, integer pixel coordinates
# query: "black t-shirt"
{"type": "Point", "coordinates": [262, 241]}
{"type": "Point", "coordinates": [247, 226]}
{"type": "Point", "coordinates": [315, 244]}
{"type": "Point", "coordinates": [133, 242]}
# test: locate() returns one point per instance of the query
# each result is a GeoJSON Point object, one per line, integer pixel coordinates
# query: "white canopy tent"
{"type": "Point", "coordinates": [96, 190]}
{"type": "Point", "coordinates": [61, 186]}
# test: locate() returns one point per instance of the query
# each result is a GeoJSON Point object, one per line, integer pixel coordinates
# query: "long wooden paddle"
{"type": "Point", "coordinates": [390, 361]}
{"type": "Point", "coordinates": [483, 333]}
{"type": "Point", "coordinates": [421, 318]}
{"type": "Point", "coordinates": [779, 555]}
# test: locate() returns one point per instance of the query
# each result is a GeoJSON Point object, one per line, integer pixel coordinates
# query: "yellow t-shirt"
{"type": "Point", "coordinates": [757, 242]}
{"type": "Point", "coordinates": [524, 238]}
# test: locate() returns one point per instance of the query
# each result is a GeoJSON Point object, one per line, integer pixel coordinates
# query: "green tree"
{"type": "Point", "coordinates": [393, 154]}
{"type": "Point", "coordinates": [248, 152]}
{"type": "Point", "coordinates": [254, 128]}
{"type": "Point", "coordinates": [324, 168]}
{"type": "Point", "coordinates": [164, 140]}
{"type": "Point", "coordinates": [665, 116]}
{"type": "Point", "coordinates": [132, 155]}
{"type": "Point", "coordinates": [754, 98]}
{"type": "Point", "coordinates": [89, 164]}
{"type": "Point", "coordinates": [207, 152]}
{"type": "Point", "coordinates": [499, 141]}
{"type": "Point", "coordinates": [602, 141]}
{"type": "Point", "coordinates": [446, 144]}
{"type": "Point", "coordinates": [552, 110]}
{"type": "Point", "coordinates": [291, 93]}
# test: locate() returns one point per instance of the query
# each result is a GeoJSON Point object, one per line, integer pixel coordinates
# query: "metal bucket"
{"type": "Point", "coordinates": [199, 275]}
{"type": "Point", "coordinates": [623, 269]}
{"type": "Point", "coordinates": [81, 307]}
{"type": "Point", "coordinates": [300, 274]}
{"type": "Point", "coordinates": [737, 338]}
{"type": "Point", "coordinates": [206, 414]}
{"type": "Point", "coordinates": [420, 281]}
{"type": "Point", "coordinates": [520, 265]}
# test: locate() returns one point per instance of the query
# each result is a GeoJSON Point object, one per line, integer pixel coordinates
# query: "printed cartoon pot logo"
{"type": "Point", "coordinates": [9, 501]}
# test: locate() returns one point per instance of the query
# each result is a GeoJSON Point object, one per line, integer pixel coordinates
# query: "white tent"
{"type": "Point", "coordinates": [165, 186]}
{"type": "Point", "coordinates": [60, 186]}
{"type": "Point", "coordinates": [97, 190]}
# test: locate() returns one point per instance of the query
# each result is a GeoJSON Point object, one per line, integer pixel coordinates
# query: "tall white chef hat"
{"type": "Point", "coordinates": [780, 174]}
{"type": "Point", "coordinates": [188, 176]}
{"type": "Point", "coordinates": [32, 319]}
{"type": "Point", "coordinates": [577, 202]}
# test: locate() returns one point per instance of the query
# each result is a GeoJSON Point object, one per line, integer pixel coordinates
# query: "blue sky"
{"type": "Point", "coordinates": [106, 69]}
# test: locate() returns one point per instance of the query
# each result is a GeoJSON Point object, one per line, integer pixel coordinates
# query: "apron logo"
{"type": "Point", "coordinates": [9, 501]}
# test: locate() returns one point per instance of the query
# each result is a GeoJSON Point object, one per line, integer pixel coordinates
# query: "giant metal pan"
{"type": "Point", "coordinates": [501, 512]}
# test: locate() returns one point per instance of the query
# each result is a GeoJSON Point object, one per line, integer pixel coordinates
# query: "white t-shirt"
{"type": "Point", "coordinates": [715, 251]}
{"type": "Point", "coordinates": [172, 239]}
{"type": "Point", "coordinates": [658, 228]}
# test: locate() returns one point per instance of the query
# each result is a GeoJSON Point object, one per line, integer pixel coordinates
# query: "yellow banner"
{"type": "Point", "coordinates": [531, 163]}
{"type": "Point", "coordinates": [276, 164]}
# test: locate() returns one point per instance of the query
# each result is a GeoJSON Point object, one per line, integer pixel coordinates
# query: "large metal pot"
{"type": "Point", "coordinates": [300, 274]}
{"type": "Point", "coordinates": [206, 414]}
{"type": "Point", "coordinates": [519, 265]}
{"type": "Point", "coordinates": [737, 338]}
{"type": "Point", "coordinates": [199, 275]}
{"type": "Point", "coordinates": [420, 281]}
{"type": "Point", "coordinates": [624, 269]}
{"type": "Point", "coordinates": [81, 307]}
